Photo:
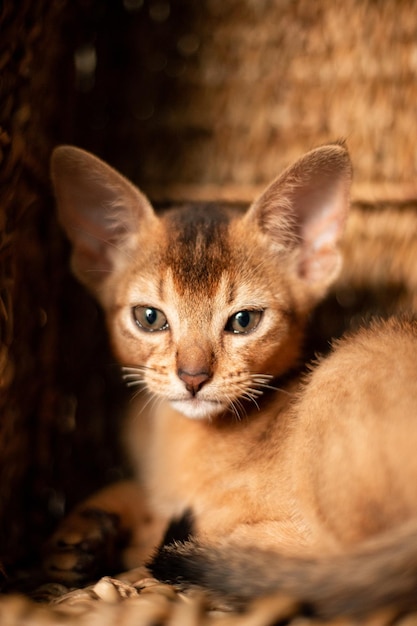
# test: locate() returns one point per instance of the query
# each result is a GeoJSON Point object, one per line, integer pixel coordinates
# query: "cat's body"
{"type": "Point", "coordinates": [261, 479]}
{"type": "Point", "coordinates": [207, 310]}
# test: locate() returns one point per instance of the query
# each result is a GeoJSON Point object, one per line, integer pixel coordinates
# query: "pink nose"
{"type": "Point", "coordinates": [193, 380]}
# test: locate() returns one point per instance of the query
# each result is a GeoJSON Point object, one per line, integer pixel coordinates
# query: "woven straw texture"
{"type": "Point", "coordinates": [189, 99]}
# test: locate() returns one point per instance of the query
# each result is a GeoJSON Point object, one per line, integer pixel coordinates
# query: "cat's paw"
{"type": "Point", "coordinates": [85, 545]}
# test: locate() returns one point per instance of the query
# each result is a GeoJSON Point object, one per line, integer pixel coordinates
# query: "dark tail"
{"type": "Point", "coordinates": [382, 574]}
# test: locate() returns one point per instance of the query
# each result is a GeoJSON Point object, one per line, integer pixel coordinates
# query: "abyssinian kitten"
{"type": "Point", "coordinates": [301, 483]}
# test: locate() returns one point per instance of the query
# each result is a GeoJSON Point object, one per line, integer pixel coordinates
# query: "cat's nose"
{"type": "Point", "coordinates": [193, 380]}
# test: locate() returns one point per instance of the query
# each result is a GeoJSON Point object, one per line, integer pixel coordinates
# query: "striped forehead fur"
{"type": "Point", "coordinates": [198, 249]}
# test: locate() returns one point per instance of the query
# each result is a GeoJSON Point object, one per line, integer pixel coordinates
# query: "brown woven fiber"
{"type": "Point", "coordinates": [25, 143]}
{"type": "Point", "coordinates": [191, 100]}
{"type": "Point", "coordinates": [145, 602]}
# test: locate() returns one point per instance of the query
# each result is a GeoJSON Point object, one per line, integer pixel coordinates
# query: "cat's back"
{"type": "Point", "coordinates": [358, 415]}
{"type": "Point", "coordinates": [377, 363]}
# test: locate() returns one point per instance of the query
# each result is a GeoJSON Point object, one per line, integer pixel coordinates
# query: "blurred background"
{"type": "Point", "coordinates": [189, 99]}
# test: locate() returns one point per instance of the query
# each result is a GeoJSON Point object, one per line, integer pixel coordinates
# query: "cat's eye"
{"type": "Point", "coordinates": [243, 321]}
{"type": "Point", "coordinates": [150, 319]}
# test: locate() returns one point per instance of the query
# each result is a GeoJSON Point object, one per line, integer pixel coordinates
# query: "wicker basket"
{"type": "Point", "coordinates": [190, 100]}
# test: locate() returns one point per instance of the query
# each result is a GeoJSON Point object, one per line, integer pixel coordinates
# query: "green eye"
{"type": "Point", "coordinates": [150, 319]}
{"type": "Point", "coordinates": [243, 322]}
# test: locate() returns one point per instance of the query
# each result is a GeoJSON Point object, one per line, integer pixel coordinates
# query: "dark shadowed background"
{"type": "Point", "coordinates": [196, 99]}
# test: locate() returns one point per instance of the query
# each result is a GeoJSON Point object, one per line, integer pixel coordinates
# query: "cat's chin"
{"type": "Point", "coordinates": [198, 409]}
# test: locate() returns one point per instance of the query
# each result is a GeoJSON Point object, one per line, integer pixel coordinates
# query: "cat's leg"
{"type": "Point", "coordinates": [114, 529]}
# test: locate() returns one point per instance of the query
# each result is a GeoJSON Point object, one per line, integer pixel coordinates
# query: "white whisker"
{"type": "Point", "coordinates": [280, 389]}
{"type": "Point", "coordinates": [132, 375]}
{"type": "Point", "coordinates": [152, 398]}
{"type": "Point", "coordinates": [232, 408]}
{"type": "Point", "coordinates": [241, 406]}
{"type": "Point", "coordinates": [255, 391]}
{"type": "Point", "coordinates": [135, 383]}
{"type": "Point", "coordinates": [137, 368]}
{"type": "Point", "coordinates": [249, 397]}
{"type": "Point", "coordinates": [262, 380]}
{"type": "Point", "coordinates": [137, 394]}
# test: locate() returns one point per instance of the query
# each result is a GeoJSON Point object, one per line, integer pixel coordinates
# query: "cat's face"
{"type": "Point", "coordinates": [205, 305]}
{"type": "Point", "coordinates": [205, 314]}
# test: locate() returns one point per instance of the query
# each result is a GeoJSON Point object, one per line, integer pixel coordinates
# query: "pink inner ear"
{"type": "Point", "coordinates": [100, 210]}
{"type": "Point", "coordinates": [323, 213]}
{"type": "Point", "coordinates": [305, 209]}
{"type": "Point", "coordinates": [97, 228]}
{"type": "Point", "coordinates": [93, 260]}
{"type": "Point", "coordinates": [321, 266]}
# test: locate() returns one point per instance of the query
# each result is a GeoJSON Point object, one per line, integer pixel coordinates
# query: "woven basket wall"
{"type": "Point", "coordinates": [196, 99]}
{"type": "Point", "coordinates": [29, 122]}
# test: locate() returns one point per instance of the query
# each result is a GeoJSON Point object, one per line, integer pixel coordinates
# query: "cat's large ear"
{"type": "Point", "coordinates": [305, 209]}
{"type": "Point", "coordinates": [100, 211]}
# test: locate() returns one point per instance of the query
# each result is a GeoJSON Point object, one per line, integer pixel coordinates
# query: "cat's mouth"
{"type": "Point", "coordinates": [198, 408]}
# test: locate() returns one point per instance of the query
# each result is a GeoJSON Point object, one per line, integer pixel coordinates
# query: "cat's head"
{"type": "Point", "coordinates": [206, 305]}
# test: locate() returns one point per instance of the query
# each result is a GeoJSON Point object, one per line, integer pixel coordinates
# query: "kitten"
{"type": "Point", "coordinates": [207, 308]}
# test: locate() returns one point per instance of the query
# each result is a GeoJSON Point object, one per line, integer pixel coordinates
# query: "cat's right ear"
{"type": "Point", "coordinates": [100, 211]}
{"type": "Point", "coordinates": [304, 211]}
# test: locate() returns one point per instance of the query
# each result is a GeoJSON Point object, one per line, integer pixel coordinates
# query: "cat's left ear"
{"type": "Point", "coordinates": [305, 210]}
